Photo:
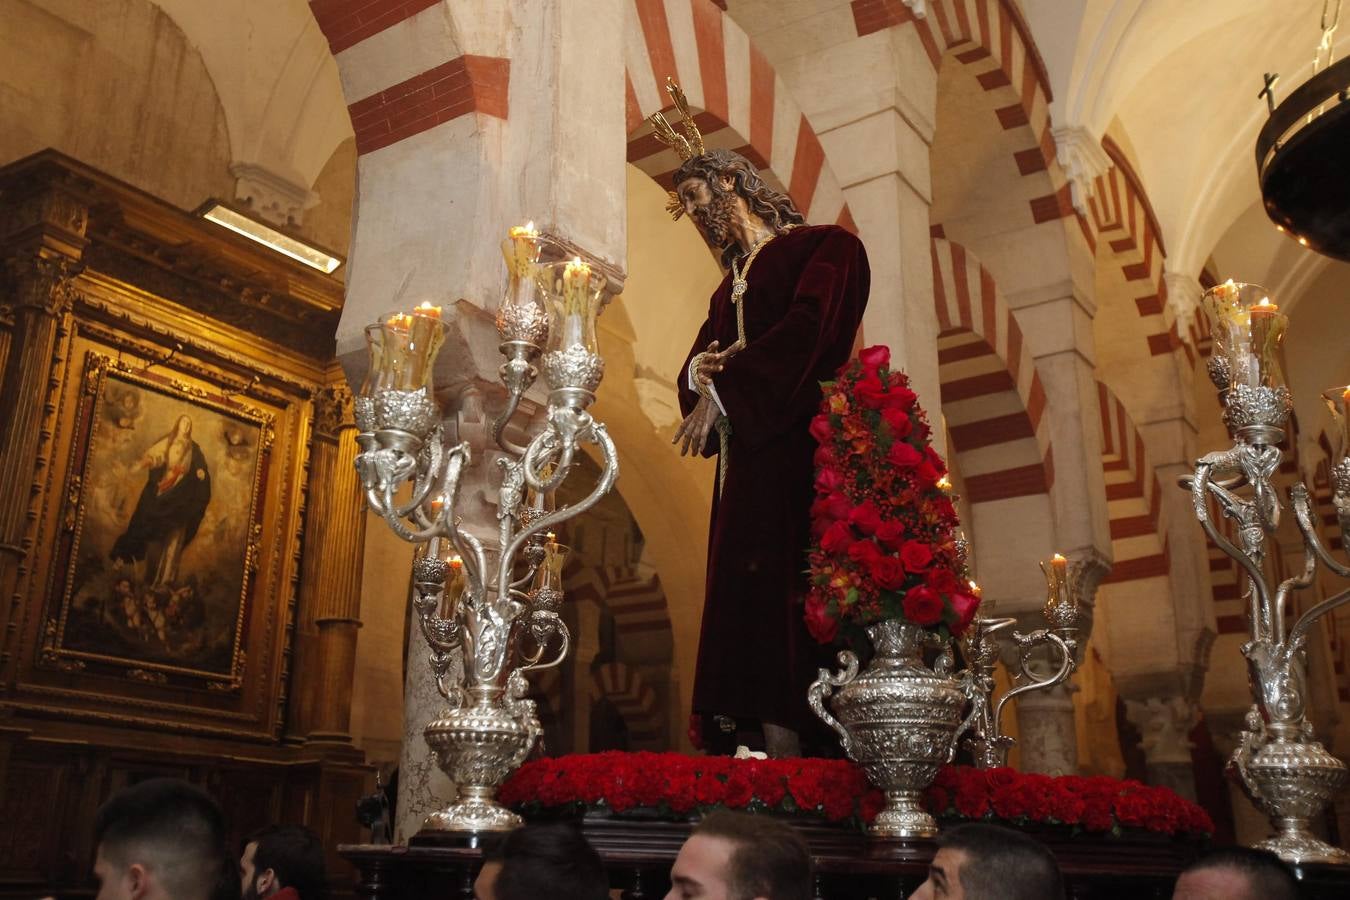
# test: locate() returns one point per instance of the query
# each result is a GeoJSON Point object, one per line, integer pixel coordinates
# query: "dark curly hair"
{"type": "Point", "coordinates": [777, 210]}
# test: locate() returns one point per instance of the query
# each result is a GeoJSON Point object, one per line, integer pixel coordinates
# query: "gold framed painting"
{"type": "Point", "coordinates": [155, 570]}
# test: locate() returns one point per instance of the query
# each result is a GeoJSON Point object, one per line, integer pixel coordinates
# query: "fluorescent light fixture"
{"type": "Point", "coordinates": [222, 215]}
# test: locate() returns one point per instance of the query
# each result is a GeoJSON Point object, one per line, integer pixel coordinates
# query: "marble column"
{"type": "Point", "coordinates": [1166, 723]}
{"type": "Point", "coordinates": [1047, 735]}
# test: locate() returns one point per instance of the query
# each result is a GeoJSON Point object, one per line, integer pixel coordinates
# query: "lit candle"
{"type": "Point", "coordinates": [454, 588]}
{"type": "Point", "coordinates": [1060, 565]}
{"type": "Point", "coordinates": [975, 590]}
{"type": "Point", "coordinates": [523, 231]}
{"type": "Point", "coordinates": [1265, 308]}
{"type": "Point", "coordinates": [400, 322]}
{"type": "Point", "coordinates": [428, 311]}
{"type": "Point", "coordinates": [576, 284]}
{"type": "Point", "coordinates": [437, 505]}
{"type": "Point", "coordinates": [944, 484]}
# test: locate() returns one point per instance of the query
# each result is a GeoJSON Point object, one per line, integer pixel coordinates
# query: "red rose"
{"type": "Point", "coordinates": [865, 517]}
{"type": "Point", "coordinates": [870, 392]}
{"type": "Point", "coordinates": [819, 622]}
{"type": "Point", "coordinates": [942, 580]}
{"type": "Point", "coordinates": [828, 480]}
{"type": "Point", "coordinates": [888, 572]}
{"type": "Point", "coordinates": [891, 533]}
{"type": "Point", "coordinates": [922, 606]}
{"type": "Point", "coordinates": [837, 506]}
{"type": "Point", "coordinates": [836, 538]}
{"type": "Point", "coordinates": [864, 551]}
{"type": "Point", "coordinates": [901, 397]}
{"type": "Point", "coordinates": [825, 456]}
{"type": "Point", "coordinates": [821, 429]}
{"type": "Point", "coordinates": [916, 555]}
{"type": "Point", "coordinates": [875, 357]}
{"type": "Point", "coordinates": [904, 455]}
{"type": "Point", "coordinates": [965, 606]}
{"type": "Point", "coordinates": [899, 421]}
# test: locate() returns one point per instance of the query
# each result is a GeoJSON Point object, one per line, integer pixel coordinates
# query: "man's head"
{"type": "Point", "coordinates": [162, 839]}
{"type": "Point", "coordinates": [736, 856]}
{"type": "Point", "coordinates": [552, 861]}
{"type": "Point", "coordinates": [715, 189]}
{"type": "Point", "coordinates": [985, 862]}
{"type": "Point", "coordinates": [1236, 873]}
{"type": "Point", "coordinates": [283, 856]}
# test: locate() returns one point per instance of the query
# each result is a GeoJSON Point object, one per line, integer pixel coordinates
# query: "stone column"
{"type": "Point", "coordinates": [1047, 735]}
{"type": "Point", "coordinates": [335, 536]}
{"type": "Point", "coordinates": [1166, 723]}
{"type": "Point", "coordinates": [42, 248]}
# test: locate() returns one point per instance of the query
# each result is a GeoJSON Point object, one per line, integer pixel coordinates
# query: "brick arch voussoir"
{"type": "Point", "coordinates": [967, 299]}
{"type": "Point", "coordinates": [1130, 480]}
{"type": "Point", "coordinates": [739, 102]}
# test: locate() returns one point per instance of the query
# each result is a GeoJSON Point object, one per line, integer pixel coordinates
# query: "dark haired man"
{"type": "Point", "coordinates": [783, 320]}
{"type": "Point", "coordinates": [986, 862]}
{"type": "Point", "coordinates": [737, 856]}
{"type": "Point", "coordinates": [535, 861]}
{"type": "Point", "coordinates": [283, 862]}
{"type": "Point", "coordinates": [1237, 873]}
{"type": "Point", "coordinates": [162, 839]}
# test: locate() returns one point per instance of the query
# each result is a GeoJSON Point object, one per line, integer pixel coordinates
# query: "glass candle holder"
{"type": "Point", "coordinates": [574, 292]}
{"type": "Point", "coordinates": [549, 575]}
{"type": "Point", "coordinates": [1337, 400]}
{"type": "Point", "coordinates": [408, 345]}
{"type": "Point", "coordinates": [522, 315]}
{"type": "Point", "coordinates": [1248, 330]}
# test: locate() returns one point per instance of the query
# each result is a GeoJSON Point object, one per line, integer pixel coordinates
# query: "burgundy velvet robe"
{"type": "Point", "coordinates": [804, 300]}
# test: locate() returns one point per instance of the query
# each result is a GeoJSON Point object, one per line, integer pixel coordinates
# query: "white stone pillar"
{"type": "Point", "coordinates": [1165, 724]}
{"type": "Point", "coordinates": [1047, 736]}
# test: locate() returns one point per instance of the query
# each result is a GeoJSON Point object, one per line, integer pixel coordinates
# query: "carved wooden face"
{"type": "Point", "coordinates": [711, 207]}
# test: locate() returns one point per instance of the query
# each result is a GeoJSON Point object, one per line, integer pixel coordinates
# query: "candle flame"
{"type": "Point", "coordinates": [1059, 559]}
{"type": "Point", "coordinates": [944, 483]}
{"type": "Point", "coordinates": [975, 589]}
{"type": "Point", "coordinates": [550, 536]}
{"type": "Point", "coordinates": [454, 562]}
{"type": "Point", "coordinates": [1265, 301]}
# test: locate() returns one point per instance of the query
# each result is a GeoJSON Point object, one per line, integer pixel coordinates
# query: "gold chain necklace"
{"type": "Point", "coordinates": [739, 284]}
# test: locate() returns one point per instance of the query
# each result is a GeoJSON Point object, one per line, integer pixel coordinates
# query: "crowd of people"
{"type": "Point", "coordinates": [164, 839]}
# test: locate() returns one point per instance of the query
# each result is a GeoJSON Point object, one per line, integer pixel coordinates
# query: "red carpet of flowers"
{"type": "Point", "coordinates": [882, 528]}
{"type": "Point", "coordinates": [674, 784]}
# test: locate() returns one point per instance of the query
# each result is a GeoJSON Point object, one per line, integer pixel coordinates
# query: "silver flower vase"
{"type": "Point", "coordinates": [899, 720]}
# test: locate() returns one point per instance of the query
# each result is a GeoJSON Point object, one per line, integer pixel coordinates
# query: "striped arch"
{"type": "Point", "coordinates": [1133, 495]}
{"type": "Point", "coordinates": [1123, 217]}
{"type": "Point", "coordinates": [633, 698]}
{"type": "Point", "coordinates": [992, 397]}
{"type": "Point", "coordinates": [740, 103]}
{"type": "Point", "coordinates": [637, 603]}
{"type": "Point", "coordinates": [993, 38]}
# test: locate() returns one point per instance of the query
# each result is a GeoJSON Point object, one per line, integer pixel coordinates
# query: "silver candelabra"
{"type": "Point", "coordinates": [981, 647]}
{"type": "Point", "coordinates": [489, 611]}
{"type": "Point", "coordinates": [1287, 773]}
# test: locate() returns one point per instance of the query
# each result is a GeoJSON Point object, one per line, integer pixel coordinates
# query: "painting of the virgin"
{"type": "Point", "coordinates": [157, 571]}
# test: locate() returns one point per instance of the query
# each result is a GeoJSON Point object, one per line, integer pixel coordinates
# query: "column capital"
{"type": "Point", "coordinates": [333, 409]}
{"type": "Point", "coordinates": [1165, 724]}
{"type": "Point", "coordinates": [1183, 297]}
{"type": "Point", "coordinates": [1082, 158]}
{"type": "Point", "coordinates": [41, 283]}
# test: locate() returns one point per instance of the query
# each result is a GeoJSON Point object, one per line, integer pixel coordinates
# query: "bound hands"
{"type": "Point", "coordinates": [699, 424]}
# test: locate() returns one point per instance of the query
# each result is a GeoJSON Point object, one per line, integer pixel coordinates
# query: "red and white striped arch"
{"type": "Point", "coordinates": [633, 698]}
{"type": "Point", "coordinates": [992, 397]}
{"type": "Point", "coordinates": [741, 104]}
{"type": "Point", "coordinates": [1133, 496]}
{"type": "Point", "coordinates": [993, 38]}
{"type": "Point", "coordinates": [637, 603]}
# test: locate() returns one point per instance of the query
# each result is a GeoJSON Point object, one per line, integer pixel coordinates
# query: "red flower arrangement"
{"type": "Point", "coordinates": [673, 784]}
{"type": "Point", "coordinates": [882, 527]}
